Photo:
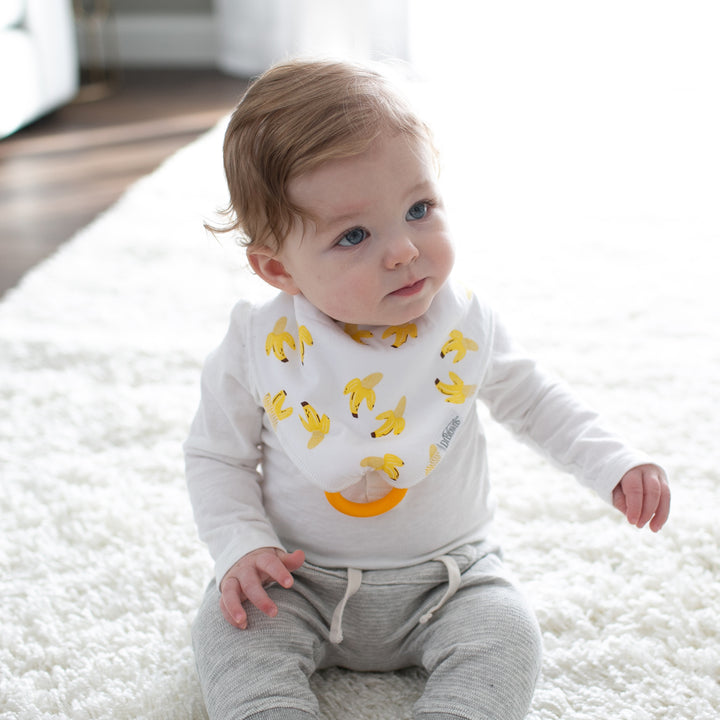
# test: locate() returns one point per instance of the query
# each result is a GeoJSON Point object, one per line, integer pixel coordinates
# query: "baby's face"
{"type": "Point", "coordinates": [380, 248]}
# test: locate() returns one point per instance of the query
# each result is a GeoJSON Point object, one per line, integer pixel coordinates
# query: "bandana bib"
{"type": "Point", "coordinates": [366, 412]}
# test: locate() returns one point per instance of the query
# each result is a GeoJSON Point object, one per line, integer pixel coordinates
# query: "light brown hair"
{"type": "Point", "coordinates": [294, 117]}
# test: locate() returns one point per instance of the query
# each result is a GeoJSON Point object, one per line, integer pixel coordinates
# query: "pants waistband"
{"type": "Point", "coordinates": [354, 581]}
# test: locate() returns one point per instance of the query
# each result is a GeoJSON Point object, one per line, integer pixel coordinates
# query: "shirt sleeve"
{"type": "Point", "coordinates": [543, 413]}
{"type": "Point", "coordinates": [223, 453]}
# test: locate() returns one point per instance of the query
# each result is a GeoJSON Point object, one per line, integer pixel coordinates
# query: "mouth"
{"type": "Point", "coordinates": [410, 289]}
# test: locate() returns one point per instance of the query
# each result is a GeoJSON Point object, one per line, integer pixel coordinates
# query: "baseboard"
{"type": "Point", "coordinates": [152, 41]}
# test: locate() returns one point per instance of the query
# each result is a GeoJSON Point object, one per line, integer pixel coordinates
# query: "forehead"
{"type": "Point", "coordinates": [394, 162]}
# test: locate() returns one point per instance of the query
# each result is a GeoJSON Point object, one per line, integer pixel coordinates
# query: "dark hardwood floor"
{"type": "Point", "coordinates": [60, 172]}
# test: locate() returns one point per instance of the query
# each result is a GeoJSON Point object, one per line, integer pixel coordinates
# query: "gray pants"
{"type": "Point", "coordinates": [481, 649]}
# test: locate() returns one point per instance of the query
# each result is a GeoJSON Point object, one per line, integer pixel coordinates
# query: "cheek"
{"type": "Point", "coordinates": [451, 255]}
{"type": "Point", "coordinates": [352, 295]}
{"type": "Point", "coordinates": [348, 289]}
{"type": "Point", "coordinates": [442, 253]}
{"type": "Point", "coordinates": [335, 288]}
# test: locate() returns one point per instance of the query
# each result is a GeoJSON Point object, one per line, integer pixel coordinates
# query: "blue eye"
{"type": "Point", "coordinates": [418, 211]}
{"type": "Point", "coordinates": [352, 237]}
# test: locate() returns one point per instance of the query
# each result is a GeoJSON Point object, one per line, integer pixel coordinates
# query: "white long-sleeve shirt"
{"type": "Point", "coordinates": [250, 487]}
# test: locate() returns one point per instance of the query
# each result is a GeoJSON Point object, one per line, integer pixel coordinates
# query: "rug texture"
{"type": "Point", "coordinates": [101, 346]}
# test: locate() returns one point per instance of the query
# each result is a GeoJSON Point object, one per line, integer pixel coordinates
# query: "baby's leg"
{"type": "Point", "coordinates": [262, 672]}
{"type": "Point", "coordinates": [482, 651]}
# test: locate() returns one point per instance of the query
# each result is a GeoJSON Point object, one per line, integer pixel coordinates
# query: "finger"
{"type": "Point", "coordinates": [293, 560]}
{"type": "Point", "coordinates": [651, 497]}
{"type": "Point", "coordinates": [255, 592]}
{"type": "Point", "coordinates": [632, 487]}
{"type": "Point", "coordinates": [234, 621]}
{"type": "Point", "coordinates": [273, 567]}
{"type": "Point", "coordinates": [618, 499]}
{"type": "Point", "coordinates": [663, 509]}
{"type": "Point", "coordinates": [231, 603]}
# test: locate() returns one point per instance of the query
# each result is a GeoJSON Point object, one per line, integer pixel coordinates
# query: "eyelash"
{"type": "Point", "coordinates": [350, 232]}
{"type": "Point", "coordinates": [429, 204]}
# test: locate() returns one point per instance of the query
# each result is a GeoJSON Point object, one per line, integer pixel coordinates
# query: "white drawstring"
{"type": "Point", "coordinates": [354, 580]}
{"type": "Point", "coordinates": [353, 585]}
{"type": "Point", "coordinates": [454, 581]}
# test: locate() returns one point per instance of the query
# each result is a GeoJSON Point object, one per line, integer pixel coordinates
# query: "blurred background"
{"type": "Point", "coordinates": [554, 109]}
{"type": "Point", "coordinates": [96, 93]}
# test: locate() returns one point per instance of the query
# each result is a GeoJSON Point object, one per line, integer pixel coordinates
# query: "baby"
{"type": "Point", "coordinates": [337, 465]}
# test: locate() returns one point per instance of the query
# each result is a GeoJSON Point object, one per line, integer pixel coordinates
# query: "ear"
{"type": "Point", "coordinates": [270, 268]}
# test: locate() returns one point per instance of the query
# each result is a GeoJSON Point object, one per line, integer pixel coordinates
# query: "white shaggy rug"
{"type": "Point", "coordinates": [100, 350]}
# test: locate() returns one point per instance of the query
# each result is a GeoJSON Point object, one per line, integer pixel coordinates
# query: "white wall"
{"type": "Point", "coordinates": [149, 39]}
{"type": "Point", "coordinates": [190, 33]}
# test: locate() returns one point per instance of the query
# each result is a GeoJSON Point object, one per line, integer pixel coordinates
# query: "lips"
{"type": "Point", "coordinates": [410, 289]}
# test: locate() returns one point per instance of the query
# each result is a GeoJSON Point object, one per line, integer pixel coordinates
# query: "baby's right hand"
{"type": "Point", "coordinates": [247, 578]}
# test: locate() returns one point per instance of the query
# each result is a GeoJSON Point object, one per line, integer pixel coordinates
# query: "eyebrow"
{"type": "Point", "coordinates": [344, 217]}
{"type": "Point", "coordinates": [347, 216]}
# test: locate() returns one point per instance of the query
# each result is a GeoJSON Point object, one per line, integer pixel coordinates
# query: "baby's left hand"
{"type": "Point", "coordinates": [643, 495]}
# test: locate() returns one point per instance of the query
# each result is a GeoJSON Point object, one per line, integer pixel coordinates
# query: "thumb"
{"type": "Point", "coordinates": [618, 499]}
{"type": "Point", "coordinates": [292, 561]}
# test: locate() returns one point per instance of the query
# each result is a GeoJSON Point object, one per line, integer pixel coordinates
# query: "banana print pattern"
{"type": "Point", "coordinates": [304, 338]}
{"type": "Point", "coordinates": [394, 420]}
{"type": "Point", "coordinates": [317, 426]}
{"type": "Point", "coordinates": [274, 408]}
{"type": "Point", "coordinates": [435, 458]}
{"type": "Point", "coordinates": [277, 339]}
{"type": "Point", "coordinates": [401, 333]}
{"type": "Point", "coordinates": [362, 391]}
{"type": "Point", "coordinates": [414, 425]}
{"type": "Point", "coordinates": [456, 390]}
{"type": "Point", "coordinates": [458, 344]}
{"type": "Point", "coordinates": [356, 333]}
{"type": "Point", "coordinates": [388, 464]}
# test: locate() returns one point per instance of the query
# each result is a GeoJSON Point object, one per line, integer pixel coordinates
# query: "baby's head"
{"type": "Point", "coordinates": [293, 118]}
{"type": "Point", "coordinates": [333, 183]}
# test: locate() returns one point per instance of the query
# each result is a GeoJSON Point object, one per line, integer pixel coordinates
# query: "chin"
{"type": "Point", "coordinates": [384, 317]}
{"type": "Point", "coordinates": [407, 317]}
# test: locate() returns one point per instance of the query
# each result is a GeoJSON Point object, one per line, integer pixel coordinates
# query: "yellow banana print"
{"type": "Point", "coordinates": [401, 333]}
{"type": "Point", "coordinates": [458, 344]}
{"type": "Point", "coordinates": [434, 459]}
{"type": "Point", "coordinates": [356, 333]}
{"type": "Point", "coordinates": [362, 390]}
{"type": "Point", "coordinates": [274, 407]}
{"type": "Point", "coordinates": [457, 391]}
{"type": "Point", "coordinates": [304, 338]}
{"type": "Point", "coordinates": [277, 339]}
{"type": "Point", "coordinates": [394, 420]}
{"type": "Point", "coordinates": [314, 424]}
{"type": "Point", "coordinates": [388, 463]}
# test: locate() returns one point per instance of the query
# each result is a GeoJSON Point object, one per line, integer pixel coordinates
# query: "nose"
{"type": "Point", "coordinates": [400, 250]}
